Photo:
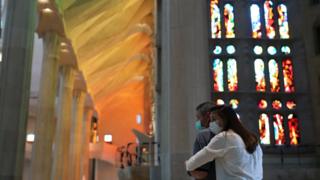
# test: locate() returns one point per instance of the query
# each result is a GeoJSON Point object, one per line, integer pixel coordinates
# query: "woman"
{"type": "Point", "coordinates": [236, 150]}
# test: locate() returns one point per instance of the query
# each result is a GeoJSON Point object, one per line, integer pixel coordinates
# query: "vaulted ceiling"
{"type": "Point", "coordinates": [113, 42]}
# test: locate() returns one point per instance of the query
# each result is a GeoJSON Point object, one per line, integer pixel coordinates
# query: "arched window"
{"type": "Point", "coordinates": [260, 78]}
{"type": "Point", "coordinates": [232, 75]}
{"type": "Point", "coordinates": [218, 75]}
{"type": "Point", "coordinates": [256, 67]}
{"type": "Point", "coordinates": [274, 76]}
{"type": "Point", "coordinates": [283, 21]}
{"type": "Point", "coordinates": [288, 75]}
{"type": "Point", "coordinates": [215, 19]}
{"type": "Point", "coordinates": [255, 21]}
{"type": "Point", "coordinates": [264, 129]}
{"type": "Point", "coordinates": [294, 132]}
{"type": "Point", "coordinates": [269, 19]}
{"type": "Point", "coordinates": [279, 134]}
{"type": "Point", "coordinates": [227, 12]}
{"type": "Point", "coordinates": [229, 21]}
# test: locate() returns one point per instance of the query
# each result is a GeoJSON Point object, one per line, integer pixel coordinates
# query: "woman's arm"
{"type": "Point", "coordinates": [216, 148]}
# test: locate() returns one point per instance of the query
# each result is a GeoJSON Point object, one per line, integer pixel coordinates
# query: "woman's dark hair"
{"type": "Point", "coordinates": [231, 121]}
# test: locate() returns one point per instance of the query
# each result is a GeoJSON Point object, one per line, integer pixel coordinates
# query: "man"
{"type": "Point", "coordinates": [204, 115]}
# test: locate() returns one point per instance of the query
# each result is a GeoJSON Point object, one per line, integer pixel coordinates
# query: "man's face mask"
{"type": "Point", "coordinates": [198, 125]}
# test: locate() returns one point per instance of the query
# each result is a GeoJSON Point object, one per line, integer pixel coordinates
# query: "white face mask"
{"type": "Point", "coordinates": [214, 127]}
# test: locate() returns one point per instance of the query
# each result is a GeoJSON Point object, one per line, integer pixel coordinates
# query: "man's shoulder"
{"type": "Point", "coordinates": [205, 133]}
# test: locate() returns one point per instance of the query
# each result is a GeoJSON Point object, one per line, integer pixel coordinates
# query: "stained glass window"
{"type": "Point", "coordinates": [215, 19]}
{"type": "Point", "coordinates": [278, 126]}
{"type": "Point", "coordinates": [274, 76]}
{"type": "Point", "coordinates": [220, 102]}
{"type": "Point", "coordinates": [217, 50]}
{"type": "Point", "coordinates": [268, 16]}
{"type": "Point", "coordinates": [291, 104]}
{"type": "Point", "coordinates": [262, 104]}
{"type": "Point", "coordinates": [234, 103]}
{"type": "Point", "coordinates": [273, 67]}
{"type": "Point", "coordinates": [255, 21]}
{"type": "Point", "coordinates": [294, 132]}
{"type": "Point", "coordinates": [264, 129]}
{"type": "Point", "coordinates": [218, 75]}
{"type": "Point", "coordinates": [276, 104]}
{"type": "Point", "coordinates": [259, 74]}
{"type": "Point", "coordinates": [232, 75]}
{"type": "Point", "coordinates": [283, 21]}
{"type": "Point", "coordinates": [229, 21]}
{"type": "Point", "coordinates": [285, 50]}
{"type": "Point", "coordinates": [288, 75]}
{"type": "Point", "coordinates": [258, 50]}
{"type": "Point", "coordinates": [272, 50]}
{"type": "Point", "coordinates": [231, 49]}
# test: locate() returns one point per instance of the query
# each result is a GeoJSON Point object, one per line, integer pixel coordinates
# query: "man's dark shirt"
{"type": "Point", "coordinates": [202, 140]}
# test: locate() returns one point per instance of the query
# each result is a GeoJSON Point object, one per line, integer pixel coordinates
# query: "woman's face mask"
{"type": "Point", "coordinates": [214, 127]}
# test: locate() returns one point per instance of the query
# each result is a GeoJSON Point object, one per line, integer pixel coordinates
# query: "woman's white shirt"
{"type": "Point", "coordinates": [233, 162]}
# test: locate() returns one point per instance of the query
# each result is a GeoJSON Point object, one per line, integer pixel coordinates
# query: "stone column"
{"type": "Point", "coordinates": [45, 121]}
{"type": "Point", "coordinates": [15, 85]}
{"type": "Point", "coordinates": [79, 95]}
{"type": "Point", "coordinates": [184, 81]}
{"type": "Point", "coordinates": [85, 156]}
{"type": "Point", "coordinates": [60, 167]}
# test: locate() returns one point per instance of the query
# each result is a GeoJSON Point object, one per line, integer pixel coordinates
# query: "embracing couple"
{"type": "Point", "coordinates": [224, 149]}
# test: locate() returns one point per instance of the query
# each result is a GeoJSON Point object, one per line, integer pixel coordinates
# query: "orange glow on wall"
{"type": "Point", "coordinates": [120, 114]}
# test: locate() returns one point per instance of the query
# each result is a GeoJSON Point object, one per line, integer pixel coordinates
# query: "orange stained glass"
{"type": "Point", "coordinates": [229, 21]}
{"type": "Point", "coordinates": [294, 132]}
{"type": "Point", "coordinates": [278, 127]}
{"type": "Point", "coordinates": [288, 76]}
{"type": "Point", "coordinates": [232, 75]}
{"type": "Point", "coordinates": [264, 129]}
{"type": "Point", "coordinates": [262, 104]}
{"type": "Point", "coordinates": [255, 21]}
{"type": "Point", "coordinates": [218, 75]}
{"type": "Point", "coordinates": [283, 21]}
{"type": "Point", "coordinates": [291, 105]}
{"type": "Point", "coordinates": [276, 104]}
{"type": "Point", "coordinates": [234, 103]}
{"type": "Point", "coordinates": [274, 76]}
{"type": "Point", "coordinates": [259, 75]}
{"type": "Point", "coordinates": [269, 21]}
{"type": "Point", "coordinates": [215, 19]}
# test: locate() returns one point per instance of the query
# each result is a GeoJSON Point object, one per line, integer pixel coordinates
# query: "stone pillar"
{"type": "Point", "coordinates": [79, 95]}
{"type": "Point", "coordinates": [184, 81]}
{"type": "Point", "coordinates": [85, 156]}
{"type": "Point", "coordinates": [45, 121]}
{"type": "Point", "coordinates": [15, 85]}
{"type": "Point", "coordinates": [60, 168]}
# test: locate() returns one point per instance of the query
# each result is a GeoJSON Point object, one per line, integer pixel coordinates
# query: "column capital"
{"type": "Point", "coordinates": [67, 55]}
{"type": "Point", "coordinates": [50, 19]}
{"type": "Point", "coordinates": [79, 83]}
